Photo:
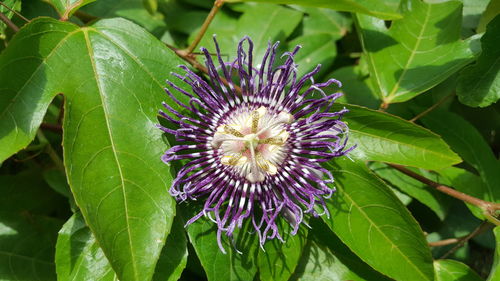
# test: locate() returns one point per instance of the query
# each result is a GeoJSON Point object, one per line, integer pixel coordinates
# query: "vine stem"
{"type": "Point", "coordinates": [434, 106]}
{"type": "Point", "coordinates": [480, 229]}
{"type": "Point", "coordinates": [460, 240]}
{"type": "Point", "coordinates": [215, 8]}
{"type": "Point", "coordinates": [489, 208]}
{"type": "Point", "coordinates": [191, 59]}
{"type": "Point", "coordinates": [15, 12]}
{"type": "Point", "coordinates": [9, 23]}
{"type": "Point", "coordinates": [50, 150]}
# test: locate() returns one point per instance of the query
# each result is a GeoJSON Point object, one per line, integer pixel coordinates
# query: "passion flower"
{"type": "Point", "coordinates": [255, 137]}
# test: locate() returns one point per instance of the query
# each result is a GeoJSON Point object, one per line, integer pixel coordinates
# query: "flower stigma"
{"type": "Point", "coordinates": [253, 142]}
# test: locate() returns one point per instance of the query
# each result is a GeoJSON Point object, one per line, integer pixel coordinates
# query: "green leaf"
{"type": "Point", "coordinates": [450, 270]}
{"type": "Point", "coordinates": [24, 95]}
{"type": "Point", "coordinates": [417, 52]}
{"type": "Point", "coordinates": [79, 257]}
{"type": "Point", "coordinates": [263, 23]}
{"type": "Point", "coordinates": [26, 192]}
{"type": "Point", "coordinates": [495, 272]}
{"type": "Point", "coordinates": [133, 10]}
{"type": "Point", "coordinates": [383, 137]}
{"type": "Point", "coordinates": [373, 223]}
{"type": "Point", "coordinates": [492, 10]}
{"type": "Point", "coordinates": [326, 258]}
{"type": "Point", "coordinates": [429, 196]}
{"type": "Point", "coordinates": [66, 8]}
{"type": "Point", "coordinates": [219, 266]}
{"type": "Point", "coordinates": [279, 259]}
{"type": "Point", "coordinates": [111, 146]}
{"type": "Point", "coordinates": [471, 146]}
{"type": "Point", "coordinates": [27, 246]}
{"type": "Point", "coordinates": [325, 21]}
{"type": "Point", "coordinates": [472, 11]}
{"type": "Point", "coordinates": [479, 84]}
{"type": "Point", "coordinates": [316, 49]}
{"type": "Point", "coordinates": [382, 9]}
{"type": "Point", "coordinates": [355, 87]}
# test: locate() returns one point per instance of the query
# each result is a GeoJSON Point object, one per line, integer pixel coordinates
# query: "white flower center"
{"type": "Point", "coordinates": [253, 142]}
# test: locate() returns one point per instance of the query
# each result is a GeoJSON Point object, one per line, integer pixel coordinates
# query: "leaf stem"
{"type": "Point", "coordinates": [489, 208]}
{"type": "Point", "coordinates": [9, 23]}
{"type": "Point", "coordinates": [14, 11]}
{"type": "Point", "coordinates": [50, 150]}
{"type": "Point", "coordinates": [434, 106]}
{"type": "Point", "coordinates": [485, 225]}
{"type": "Point", "coordinates": [445, 242]}
{"type": "Point", "coordinates": [191, 59]}
{"type": "Point", "coordinates": [215, 8]}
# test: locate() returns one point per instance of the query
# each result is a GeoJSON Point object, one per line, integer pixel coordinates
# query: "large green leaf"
{"type": "Point", "coordinates": [263, 23]}
{"type": "Point", "coordinates": [111, 145]}
{"type": "Point", "coordinates": [79, 257]}
{"type": "Point", "coordinates": [382, 9]}
{"type": "Point", "coordinates": [373, 223]}
{"type": "Point", "coordinates": [479, 84]}
{"type": "Point", "coordinates": [417, 52]}
{"type": "Point", "coordinates": [27, 246]}
{"type": "Point", "coordinates": [25, 92]}
{"type": "Point", "coordinates": [383, 137]}
{"type": "Point", "coordinates": [472, 147]}
{"type": "Point", "coordinates": [355, 86]}
{"type": "Point", "coordinates": [326, 258]}
{"type": "Point", "coordinates": [219, 266]}
{"type": "Point", "coordinates": [66, 8]}
{"type": "Point", "coordinates": [279, 259]}
{"type": "Point", "coordinates": [450, 270]}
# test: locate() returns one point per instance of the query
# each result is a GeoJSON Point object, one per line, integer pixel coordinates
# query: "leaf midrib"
{"type": "Point", "coordinates": [372, 223]}
{"type": "Point", "coordinates": [412, 54]}
{"type": "Point", "coordinates": [113, 148]}
{"type": "Point", "coordinates": [403, 144]}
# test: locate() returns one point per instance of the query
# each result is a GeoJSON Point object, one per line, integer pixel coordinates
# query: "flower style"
{"type": "Point", "coordinates": [255, 145]}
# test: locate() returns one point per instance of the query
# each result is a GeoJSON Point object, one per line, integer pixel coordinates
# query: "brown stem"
{"type": "Point", "coordinates": [217, 5]}
{"type": "Point", "coordinates": [191, 59]}
{"type": "Point", "coordinates": [383, 106]}
{"type": "Point", "coordinates": [51, 127]}
{"type": "Point", "coordinates": [434, 106]}
{"type": "Point", "coordinates": [480, 229]}
{"type": "Point", "coordinates": [9, 23]}
{"type": "Point", "coordinates": [488, 207]}
{"type": "Point", "coordinates": [15, 12]}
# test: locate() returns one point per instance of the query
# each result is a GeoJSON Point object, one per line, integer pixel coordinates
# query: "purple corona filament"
{"type": "Point", "coordinates": [255, 142]}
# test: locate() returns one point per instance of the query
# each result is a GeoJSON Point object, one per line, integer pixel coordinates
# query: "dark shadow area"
{"type": "Point", "coordinates": [376, 40]}
{"type": "Point", "coordinates": [446, 34]}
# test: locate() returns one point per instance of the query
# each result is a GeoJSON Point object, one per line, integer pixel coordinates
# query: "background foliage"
{"type": "Point", "coordinates": [83, 193]}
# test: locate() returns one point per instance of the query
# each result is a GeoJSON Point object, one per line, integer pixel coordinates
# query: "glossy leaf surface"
{"type": "Point", "coordinates": [66, 8]}
{"type": "Point", "coordinates": [371, 221]}
{"type": "Point", "coordinates": [417, 52]}
{"type": "Point", "coordinates": [450, 270]}
{"type": "Point", "coordinates": [111, 145]}
{"type": "Point", "coordinates": [383, 137]}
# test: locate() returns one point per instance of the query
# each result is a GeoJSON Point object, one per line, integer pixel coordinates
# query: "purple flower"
{"type": "Point", "coordinates": [255, 140]}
